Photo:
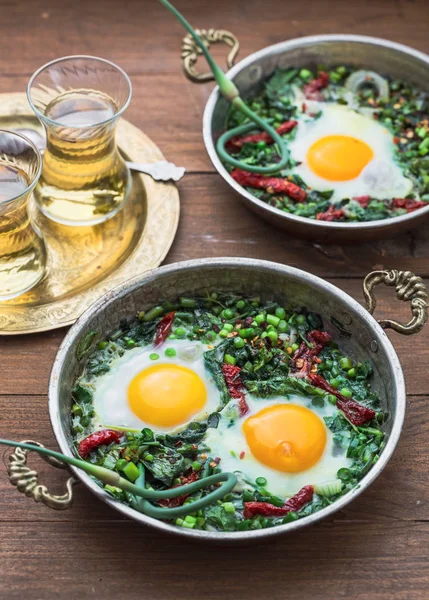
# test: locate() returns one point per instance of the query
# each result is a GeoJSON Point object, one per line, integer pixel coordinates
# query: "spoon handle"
{"type": "Point", "coordinates": [160, 171]}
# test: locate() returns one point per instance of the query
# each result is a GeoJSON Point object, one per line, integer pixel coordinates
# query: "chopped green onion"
{"type": "Point", "coordinates": [261, 481]}
{"type": "Point", "coordinates": [346, 363]}
{"type": "Point", "coordinates": [227, 314]}
{"type": "Point", "coordinates": [228, 507]}
{"type": "Point", "coordinates": [228, 327]}
{"type": "Point", "coordinates": [330, 488]}
{"type": "Point", "coordinates": [334, 382]}
{"type": "Point", "coordinates": [154, 356]}
{"type": "Point", "coordinates": [131, 471]}
{"type": "Point", "coordinates": [260, 318]}
{"type": "Point", "coordinates": [280, 312]}
{"type": "Point", "coordinates": [187, 302]}
{"type": "Point", "coordinates": [153, 313]}
{"type": "Point", "coordinates": [273, 320]}
{"type": "Point", "coordinates": [230, 360]}
{"type": "Point", "coordinates": [223, 333]}
{"type": "Point", "coordinates": [346, 392]}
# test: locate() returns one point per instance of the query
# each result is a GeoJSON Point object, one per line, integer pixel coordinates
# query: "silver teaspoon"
{"type": "Point", "coordinates": [159, 171]}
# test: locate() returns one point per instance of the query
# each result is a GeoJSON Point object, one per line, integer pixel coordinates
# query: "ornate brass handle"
{"type": "Point", "coordinates": [26, 479]}
{"type": "Point", "coordinates": [409, 287]}
{"type": "Point", "coordinates": [191, 52]}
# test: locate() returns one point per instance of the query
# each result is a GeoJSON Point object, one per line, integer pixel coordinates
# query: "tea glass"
{"type": "Point", "coordinates": [22, 251]}
{"type": "Point", "coordinates": [79, 100]}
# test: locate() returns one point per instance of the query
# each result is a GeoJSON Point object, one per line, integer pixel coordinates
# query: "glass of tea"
{"type": "Point", "coordinates": [22, 251]}
{"type": "Point", "coordinates": [79, 100]}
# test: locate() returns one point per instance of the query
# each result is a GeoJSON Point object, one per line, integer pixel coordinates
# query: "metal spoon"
{"type": "Point", "coordinates": [159, 171]}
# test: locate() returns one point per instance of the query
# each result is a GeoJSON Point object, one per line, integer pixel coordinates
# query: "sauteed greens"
{"type": "Point", "coordinates": [313, 109]}
{"type": "Point", "coordinates": [266, 361]}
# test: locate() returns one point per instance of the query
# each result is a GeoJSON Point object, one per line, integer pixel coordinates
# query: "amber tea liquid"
{"type": "Point", "coordinates": [84, 177]}
{"type": "Point", "coordinates": [22, 254]}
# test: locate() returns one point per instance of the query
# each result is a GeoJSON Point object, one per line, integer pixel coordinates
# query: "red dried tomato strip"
{"type": "Point", "coordinates": [355, 412]}
{"type": "Point", "coordinates": [99, 438]}
{"type": "Point", "coordinates": [234, 384]}
{"type": "Point", "coordinates": [273, 185]}
{"type": "Point", "coordinates": [362, 200]}
{"type": "Point", "coordinates": [408, 204]}
{"type": "Point", "coordinates": [332, 214]}
{"type": "Point", "coordinates": [302, 360]}
{"type": "Point", "coordinates": [238, 141]}
{"type": "Point", "coordinates": [163, 328]}
{"type": "Point", "coordinates": [174, 502]}
{"type": "Point", "coordinates": [304, 496]}
{"type": "Point", "coordinates": [312, 89]}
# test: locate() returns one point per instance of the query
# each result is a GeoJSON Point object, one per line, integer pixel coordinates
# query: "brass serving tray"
{"type": "Point", "coordinates": [84, 263]}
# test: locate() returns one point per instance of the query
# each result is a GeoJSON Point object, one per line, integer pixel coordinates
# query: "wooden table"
{"type": "Point", "coordinates": [378, 547]}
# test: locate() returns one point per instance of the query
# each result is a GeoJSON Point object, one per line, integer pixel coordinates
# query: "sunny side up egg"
{"type": "Point", "coordinates": [284, 440]}
{"type": "Point", "coordinates": [347, 152]}
{"type": "Point", "coordinates": [163, 394]}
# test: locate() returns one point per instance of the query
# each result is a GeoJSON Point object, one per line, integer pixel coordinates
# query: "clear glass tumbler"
{"type": "Point", "coordinates": [79, 100]}
{"type": "Point", "coordinates": [22, 251]}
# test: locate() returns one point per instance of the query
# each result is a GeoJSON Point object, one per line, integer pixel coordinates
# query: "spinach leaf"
{"type": "Point", "coordinates": [193, 434]}
{"type": "Point", "coordinates": [214, 366]}
{"type": "Point", "coordinates": [217, 517]}
{"type": "Point", "coordinates": [166, 465]}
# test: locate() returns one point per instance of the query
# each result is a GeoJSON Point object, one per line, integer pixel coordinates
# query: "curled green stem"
{"type": "Point", "coordinates": [229, 90]}
{"type": "Point", "coordinates": [112, 478]}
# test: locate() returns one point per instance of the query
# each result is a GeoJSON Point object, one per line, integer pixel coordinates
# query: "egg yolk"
{"type": "Point", "coordinates": [286, 437]}
{"type": "Point", "coordinates": [339, 157]}
{"type": "Point", "coordinates": [166, 395]}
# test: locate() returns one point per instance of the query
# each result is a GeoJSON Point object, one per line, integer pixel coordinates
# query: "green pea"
{"type": "Point", "coordinates": [196, 465]}
{"type": "Point", "coordinates": [227, 314]}
{"type": "Point", "coordinates": [346, 392]}
{"type": "Point", "coordinates": [130, 343]}
{"type": "Point", "coordinates": [170, 352]}
{"type": "Point", "coordinates": [102, 345]}
{"type": "Point", "coordinates": [334, 383]}
{"type": "Point", "coordinates": [211, 335]}
{"type": "Point", "coordinates": [300, 319]}
{"type": "Point", "coordinates": [223, 333]}
{"type": "Point", "coordinates": [228, 507]}
{"type": "Point", "coordinates": [260, 318]}
{"type": "Point", "coordinates": [240, 304]}
{"type": "Point", "coordinates": [351, 373]}
{"type": "Point", "coordinates": [332, 399]}
{"type": "Point", "coordinates": [154, 356]}
{"type": "Point", "coordinates": [280, 312]}
{"type": "Point", "coordinates": [238, 342]}
{"type": "Point", "coordinates": [228, 327]}
{"type": "Point", "coordinates": [180, 332]}
{"type": "Point", "coordinates": [305, 74]}
{"type": "Point", "coordinates": [282, 327]}
{"type": "Point", "coordinates": [261, 144]}
{"type": "Point", "coordinates": [294, 347]}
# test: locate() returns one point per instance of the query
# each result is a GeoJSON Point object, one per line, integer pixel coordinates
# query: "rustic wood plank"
{"type": "Point", "coordinates": [113, 560]}
{"type": "Point", "coordinates": [145, 39]}
{"type": "Point", "coordinates": [377, 548]}
{"type": "Point", "coordinates": [400, 493]}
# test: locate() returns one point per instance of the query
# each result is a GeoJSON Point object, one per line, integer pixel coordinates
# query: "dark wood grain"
{"type": "Point", "coordinates": [376, 549]}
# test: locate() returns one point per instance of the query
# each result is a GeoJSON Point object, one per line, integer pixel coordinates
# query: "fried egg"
{"type": "Point", "coordinates": [164, 394]}
{"type": "Point", "coordinates": [284, 440]}
{"type": "Point", "coordinates": [347, 152]}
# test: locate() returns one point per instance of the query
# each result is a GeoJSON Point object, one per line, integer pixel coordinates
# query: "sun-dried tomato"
{"type": "Point", "coordinates": [273, 185]}
{"type": "Point", "coordinates": [234, 384]}
{"type": "Point", "coordinates": [174, 502]}
{"type": "Point", "coordinates": [300, 499]}
{"type": "Point", "coordinates": [163, 329]}
{"type": "Point", "coordinates": [354, 411]}
{"type": "Point", "coordinates": [237, 142]}
{"type": "Point", "coordinates": [312, 90]}
{"type": "Point", "coordinates": [98, 438]}
{"type": "Point", "coordinates": [332, 214]}
{"type": "Point", "coordinates": [303, 358]}
{"type": "Point", "coordinates": [408, 204]}
{"type": "Point", "coordinates": [362, 200]}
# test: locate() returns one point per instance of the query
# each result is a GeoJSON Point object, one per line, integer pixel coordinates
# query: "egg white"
{"type": "Point", "coordinates": [110, 398]}
{"type": "Point", "coordinates": [228, 441]}
{"type": "Point", "coordinates": [382, 178]}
